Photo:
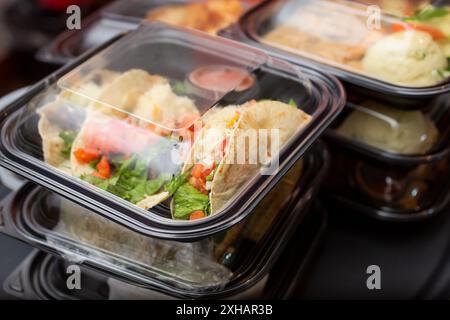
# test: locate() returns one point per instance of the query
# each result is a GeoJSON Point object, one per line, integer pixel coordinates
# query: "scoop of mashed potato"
{"type": "Point", "coordinates": [399, 131]}
{"type": "Point", "coordinates": [409, 58]}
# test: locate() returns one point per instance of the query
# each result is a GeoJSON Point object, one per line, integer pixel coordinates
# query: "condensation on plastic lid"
{"type": "Point", "coordinates": [149, 69]}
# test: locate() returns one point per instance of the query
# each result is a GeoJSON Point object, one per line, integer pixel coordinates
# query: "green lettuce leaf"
{"type": "Point", "coordinates": [176, 182]}
{"type": "Point", "coordinates": [130, 181]}
{"type": "Point", "coordinates": [428, 13]}
{"type": "Point", "coordinates": [187, 199]}
{"type": "Point", "coordinates": [68, 137]}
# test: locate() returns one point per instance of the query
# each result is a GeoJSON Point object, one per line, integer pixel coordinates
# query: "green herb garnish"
{"type": "Point", "coordinates": [68, 137]}
{"type": "Point", "coordinates": [93, 164]}
{"type": "Point", "coordinates": [444, 73]}
{"type": "Point", "coordinates": [180, 88]}
{"type": "Point", "coordinates": [187, 199]}
{"type": "Point", "coordinates": [428, 13]}
{"type": "Point", "coordinates": [210, 176]}
{"type": "Point", "coordinates": [293, 103]}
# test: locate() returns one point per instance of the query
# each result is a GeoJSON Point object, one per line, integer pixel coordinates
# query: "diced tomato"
{"type": "Point", "coordinates": [188, 120]}
{"type": "Point", "coordinates": [197, 170]}
{"type": "Point", "coordinates": [434, 32]}
{"type": "Point", "coordinates": [104, 169]}
{"type": "Point", "coordinates": [223, 146]}
{"type": "Point", "coordinates": [199, 184]}
{"type": "Point", "coordinates": [85, 156]}
{"type": "Point", "coordinates": [207, 171]}
{"type": "Point", "coordinates": [198, 177]}
{"type": "Point", "coordinates": [196, 215]}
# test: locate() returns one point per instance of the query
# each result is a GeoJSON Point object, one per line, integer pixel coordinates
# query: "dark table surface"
{"type": "Point", "coordinates": [413, 259]}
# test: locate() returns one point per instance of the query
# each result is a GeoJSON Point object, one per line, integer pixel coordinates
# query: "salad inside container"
{"type": "Point", "coordinates": [169, 128]}
{"type": "Point", "coordinates": [412, 52]}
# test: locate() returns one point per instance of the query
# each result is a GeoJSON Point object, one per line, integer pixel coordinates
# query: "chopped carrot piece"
{"type": "Point", "coordinates": [196, 215]}
{"type": "Point", "coordinates": [434, 32]}
{"type": "Point", "coordinates": [197, 170]}
{"type": "Point", "coordinates": [85, 156]}
{"type": "Point", "coordinates": [103, 167]}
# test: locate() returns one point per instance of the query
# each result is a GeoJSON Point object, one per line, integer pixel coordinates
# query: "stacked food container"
{"type": "Point", "coordinates": [390, 147]}
{"type": "Point", "coordinates": [140, 162]}
{"type": "Point", "coordinates": [124, 15]}
{"type": "Point", "coordinates": [126, 179]}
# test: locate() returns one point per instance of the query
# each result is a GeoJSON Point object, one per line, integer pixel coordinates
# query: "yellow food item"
{"type": "Point", "coordinates": [324, 31]}
{"type": "Point", "coordinates": [393, 130]}
{"type": "Point", "coordinates": [208, 16]}
{"type": "Point", "coordinates": [408, 58]}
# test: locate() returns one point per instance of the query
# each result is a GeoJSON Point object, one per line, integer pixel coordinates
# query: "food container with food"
{"type": "Point", "coordinates": [124, 15]}
{"type": "Point", "coordinates": [403, 62]}
{"type": "Point", "coordinates": [392, 164]}
{"type": "Point", "coordinates": [223, 265]}
{"type": "Point", "coordinates": [129, 135]}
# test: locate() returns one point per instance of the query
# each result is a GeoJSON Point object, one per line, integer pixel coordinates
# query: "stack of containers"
{"type": "Point", "coordinates": [44, 276]}
{"type": "Point", "coordinates": [390, 147]}
{"type": "Point", "coordinates": [106, 142]}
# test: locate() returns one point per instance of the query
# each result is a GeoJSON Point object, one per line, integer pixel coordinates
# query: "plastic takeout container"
{"type": "Point", "coordinates": [392, 164]}
{"type": "Point", "coordinates": [122, 16]}
{"type": "Point", "coordinates": [334, 36]}
{"type": "Point", "coordinates": [43, 276]}
{"type": "Point", "coordinates": [223, 265]}
{"type": "Point", "coordinates": [109, 93]}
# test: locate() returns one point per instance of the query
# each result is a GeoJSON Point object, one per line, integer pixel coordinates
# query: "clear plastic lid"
{"type": "Point", "coordinates": [391, 134]}
{"type": "Point", "coordinates": [409, 53]}
{"type": "Point", "coordinates": [390, 129]}
{"type": "Point", "coordinates": [145, 84]}
{"type": "Point", "coordinates": [168, 129]}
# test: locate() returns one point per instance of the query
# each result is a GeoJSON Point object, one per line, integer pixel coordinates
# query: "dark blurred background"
{"type": "Point", "coordinates": [25, 27]}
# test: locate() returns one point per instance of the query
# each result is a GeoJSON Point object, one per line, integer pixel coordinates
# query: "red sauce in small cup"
{"type": "Point", "coordinates": [221, 78]}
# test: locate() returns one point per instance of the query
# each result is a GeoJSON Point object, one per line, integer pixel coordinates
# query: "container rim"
{"type": "Point", "coordinates": [328, 88]}
{"type": "Point", "coordinates": [397, 216]}
{"type": "Point", "coordinates": [438, 152]}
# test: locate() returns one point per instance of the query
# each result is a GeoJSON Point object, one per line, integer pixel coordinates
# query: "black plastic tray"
{"type": "Point", "coordinates": [43, 276]}
{"type": "Point", "coordinates": [430, 169]}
